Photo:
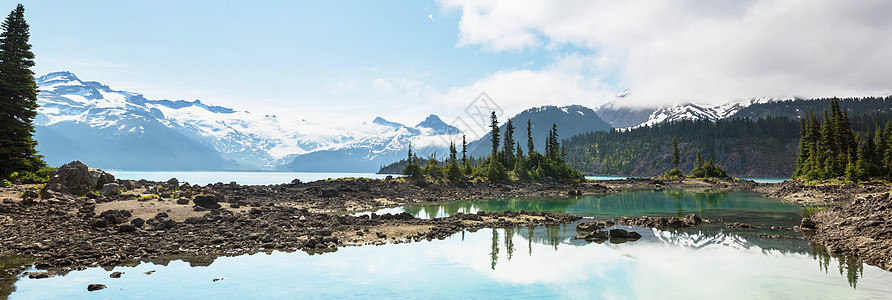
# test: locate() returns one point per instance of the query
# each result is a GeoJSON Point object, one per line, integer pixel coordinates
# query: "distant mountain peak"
{"type": "Point", "coordinates": [434, 123]}
{"type": "Point", "coordinates": [64, 76]}
{"type": "Point", "coordinates": [381, 121]}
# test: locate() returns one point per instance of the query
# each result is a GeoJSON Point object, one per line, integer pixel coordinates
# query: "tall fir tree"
{"type": "Point", "coordinates": [494, 133]}
{"type": "Point", "coordinates": [676, 158]}
{"type": "Point", "coordinates": [531, 147]}
{"type": "Point", "coordinates": [18, 97]}
{"type": "Point", "coordinates": [508, 144]}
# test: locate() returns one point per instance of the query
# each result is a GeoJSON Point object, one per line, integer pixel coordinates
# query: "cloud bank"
{"type": "Point", "coordinates": [672, 51]}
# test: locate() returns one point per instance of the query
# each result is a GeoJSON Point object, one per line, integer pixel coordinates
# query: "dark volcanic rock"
{"type": "Point", "coordinates": [807, 224]}
{"type": "Point", "coordinates": [115, 275]}
{"type": "Point", "coordinates": [115, 216]}
{"type": "Point", "coordinates": [592, 226]}
{"type": "Point", "coordinates": [71, 178]}
{"type": "Point", "coordinates": [739, 225]}
{"type": "Point", "coordinates": [95, 287]}
{"type": "Point", "coordinates": [624, 234]}
{"type": "Point", "coordinates": [662, 222]}
{"type": "Point", "coordinates": [208, 200]}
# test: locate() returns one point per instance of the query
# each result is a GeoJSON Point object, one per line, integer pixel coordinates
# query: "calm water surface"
{"type": "Point", "coordinates": [248, 178]}
{"type": "Point", "coordinates": [706, 261]}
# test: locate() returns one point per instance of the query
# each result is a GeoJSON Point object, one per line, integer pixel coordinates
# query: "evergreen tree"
{"type": "Point", "coordinates": [453, 172]}
{"type": "Point", "coordinates": [676, 158]}
{"type": "Point", "coordinates": [508, 145]}
{"type": "Point", "coordinates": [18, 97]}
{"type": "Point", "coordinates": [412, 169]}
{"type": "Point", "coordinates": [530, 146]}
{"type": "Point", "coordinates": [494, 132]}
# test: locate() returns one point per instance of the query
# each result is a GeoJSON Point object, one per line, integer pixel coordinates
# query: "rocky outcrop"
{"type": "Point", "coordinates": [71, 178]}
{"type": "Point", "coordinates": [862, 228]}
{"type": "Point", "coordinates": [110, 189]}
{"type": "Point", "coordinates": [662, 223]}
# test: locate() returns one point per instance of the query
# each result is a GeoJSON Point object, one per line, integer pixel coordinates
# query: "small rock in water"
{"type": "Point", "coordinates": [149, 272]}
{"type": "Point", "coordinates": [218, 279]}
{"type": "Point", "coordinates": [95, 287]}
{"type": "Point", "coordinates": [116, 275]}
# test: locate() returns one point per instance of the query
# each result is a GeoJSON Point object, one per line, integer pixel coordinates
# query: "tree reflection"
{"type": "Point", "coordinates": [494, 255]}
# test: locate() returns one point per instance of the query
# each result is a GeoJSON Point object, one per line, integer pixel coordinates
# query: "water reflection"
{"type": "Point", "coordinates": [663, 264]}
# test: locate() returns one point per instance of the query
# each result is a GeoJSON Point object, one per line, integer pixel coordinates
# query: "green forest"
{"type": "Point", "coordinates": [745, 147]}
{"type": "Point", "coordinates": [506, 162]}
{"type": "Point", "coordinates": [832, 149]}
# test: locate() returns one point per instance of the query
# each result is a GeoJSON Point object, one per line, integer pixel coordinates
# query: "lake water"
{"type": "Point", "coordinates": [246, 178]}
{"type": "Point", "coordinates": [265, 178]}
{"type": "Point", "coordinates": [706, 261]}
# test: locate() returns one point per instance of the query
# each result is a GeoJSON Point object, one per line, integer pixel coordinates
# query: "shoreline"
{"type": "Point", "coordinates": [160, 219]}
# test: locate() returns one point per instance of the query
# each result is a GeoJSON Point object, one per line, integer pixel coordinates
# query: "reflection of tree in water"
{"type": "Point", "coordinates": [494, 255]}
{"type": "Point", "coordinates": [850, 267]}
{"type": "Point", "coordinates": [414, 210]}
{"type": "Point", "coordinates": [509, 242]}
{"type": "Point", "coordinates": [7, 281]}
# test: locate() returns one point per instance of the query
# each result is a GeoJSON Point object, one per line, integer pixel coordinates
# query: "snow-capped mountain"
{"type": "Point", "coordinates": [622, 116]}
{"type": "Point", "coordinates": [123, 130]}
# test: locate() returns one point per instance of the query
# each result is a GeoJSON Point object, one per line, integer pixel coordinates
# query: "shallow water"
{"type": "Point", "coordinates": [246, 178]}
{"type": "Point", "coordinates": [525, 262]}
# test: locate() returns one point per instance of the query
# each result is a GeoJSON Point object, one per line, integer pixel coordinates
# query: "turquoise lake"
{"type": "Point", "coordinates": [706, 261]}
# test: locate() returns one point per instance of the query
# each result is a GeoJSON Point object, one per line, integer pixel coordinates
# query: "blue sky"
{"type": "Point", "coordinates": [269, 56]}
{"type": "Point", "coordinates": [342, 62]}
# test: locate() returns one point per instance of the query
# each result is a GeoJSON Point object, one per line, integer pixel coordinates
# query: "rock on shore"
{"type": "Point", "coordinates": [862, 228]}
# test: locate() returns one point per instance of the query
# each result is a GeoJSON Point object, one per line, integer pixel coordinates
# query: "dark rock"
{"type": "Point", "coordinates": [29, 193]}
{"type": "Point", "coordinates": [38, 275]}
{"type": "Point", "coordinates": [110, 189]}
{"type": "Point", "coordinates": [588, 227]}
{"type": "Point", "coordinates": [208, 200]}
{"type": "Point", "coordinates": [95, 287]}
{"type": "Point", "coordinates": [102, 177]}
{"type": "Point", "coordinates": [574, 193]}
{"type": "Point", "coordinates": [172, 183]}
{"type": "Point", "coordinates": [296, 181]}
{"type": "Point", "coordinates": [594, 236]}
{"type": "Point", "coordinates": [161, 215]}
{"type": "Point", "coordinates": [182, 201]}
{"type": "Point", "coordinates": [137, 222]}
{"type": "Point", "coordinates": [126, 228]}
{"type": "Point", "coordinates": [807, 224]}
{"type": "Point", "coordinates": [70, 178]}
{"type": "Point", "coordinates": [116, 275]}
{"type": "Point", "coordinates": [129, 184]}
{"type": "Point", "coordinates": [739, 225]}
{"type": "Point", "coordinates": [624, 234]}
{"type": "Point", "coordinates": [115, 216]}
{"type": "Point", "coordinates": [101, 223]}
{"type": "Point", "coordinates": [328, 193]}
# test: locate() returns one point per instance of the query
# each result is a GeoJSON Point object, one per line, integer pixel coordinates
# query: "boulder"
{"type": "Point", "coordinates": [807, 224]}
{"type": "Point", "coordinates": [129, 184]}
{"type": "Point", "coordinates": [102, 177]}
{"type": "Point", "coordinates": [137, 222]}
{"type": "Point", "coordinates": [116, 274]}
{"type": "Point", "coordinates": [172, 183]}
{"type": "Point", "coordinates": [624, 234]}
{"type": "Point", "coordinates": [115, 216]}
{"type": "Point", "coordinates": [70, 178]}
{"type": "Point", "coordinates": [182, 201]}
{"type": "Point", "coordinates": [589, 226]}
{"type": "Point", "coordinates": [211, 201]}
{"type": "Point", "coordinates": [95, 287]}
{"type": "Point", "coordinates": [110, 189]}
{"type": "Point", "coordinates": [739, 225]}
{"type": "Point", "coordinates": [126, 228]}
{"type": "Point", "coordinates": [594, 236]}
{"type": "Point", "coordinates": [328, 193]}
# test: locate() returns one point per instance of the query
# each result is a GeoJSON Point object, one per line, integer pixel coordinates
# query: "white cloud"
{"type": "Point", "coordinates": [563, 82]}
{"type": "Point", "coordinates": [707, 52]}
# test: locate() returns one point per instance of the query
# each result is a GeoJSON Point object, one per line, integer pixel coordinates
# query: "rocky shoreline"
{"type": "Point", "coordinates": [136, 221]}
{"type": "Point", "coordinates": [862, 228]}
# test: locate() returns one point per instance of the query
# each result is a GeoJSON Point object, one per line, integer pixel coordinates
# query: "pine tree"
{"type": "Point", "coordinates": [18, 97]}
{"type": "Point", "coordinates": [530, 146]}
{"type": "Point", "coordinates": [508, 145]}
{"type": "Point", "coordinates": [494, 132]}
{"type": "Point", "coordinates": [453, 172]}
{"type": "Point", "coordinates": [676, 158]}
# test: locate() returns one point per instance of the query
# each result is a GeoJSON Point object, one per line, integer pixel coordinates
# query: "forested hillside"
{"type": "Point", "coordinates": [764, 147]}
{"type": "Point", "coordinates": [744, 147]}
{"type": "Point", "coordinates": [799, 108]}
